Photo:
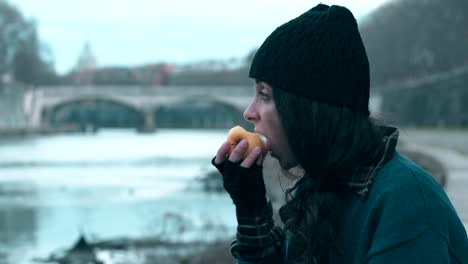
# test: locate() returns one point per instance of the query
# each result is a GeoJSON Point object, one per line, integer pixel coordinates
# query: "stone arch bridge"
{"type": "Point", "coordinates": [48, 106]}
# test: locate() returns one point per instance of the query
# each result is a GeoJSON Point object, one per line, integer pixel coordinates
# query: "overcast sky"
{"type": "Point", "coordinates": [135, 32]}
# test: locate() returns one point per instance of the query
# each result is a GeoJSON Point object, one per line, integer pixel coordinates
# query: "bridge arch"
{"type": "Point", "coordinates": [93, 113]}
{"type": "Point", "coordinates": [200, 112]}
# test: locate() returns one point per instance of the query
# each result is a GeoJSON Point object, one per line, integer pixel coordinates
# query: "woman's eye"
{"type": "Point", "coordinates": [263, 95]}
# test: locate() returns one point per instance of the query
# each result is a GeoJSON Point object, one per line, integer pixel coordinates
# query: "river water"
{"type": "Point", "coordinates": [115, 183]}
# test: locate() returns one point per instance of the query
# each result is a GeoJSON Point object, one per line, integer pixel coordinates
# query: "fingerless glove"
{"type": "Point", "coordinates": [244, 185]}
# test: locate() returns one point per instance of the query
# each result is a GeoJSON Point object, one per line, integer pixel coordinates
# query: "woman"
{"type": "Point", "coordinates": [359, 200]}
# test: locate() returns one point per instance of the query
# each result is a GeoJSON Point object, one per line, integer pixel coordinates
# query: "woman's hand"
{"type": "Point", "coordinates": [242, 179]}
{"type": "Point", "coordinates": [238, 153]}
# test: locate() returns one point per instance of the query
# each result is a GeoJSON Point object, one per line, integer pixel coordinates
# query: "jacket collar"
{"type": "Point", "coordinates": [362, 179]}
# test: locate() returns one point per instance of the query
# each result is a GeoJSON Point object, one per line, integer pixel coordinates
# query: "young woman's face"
{"type": "Point", "coordinates": [262, 113]}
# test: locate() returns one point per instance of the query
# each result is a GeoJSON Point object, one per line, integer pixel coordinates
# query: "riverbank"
{"type": "Point", "coordinates": [455, 139]}
{"type": "Point", "coordinates": [142, 251]}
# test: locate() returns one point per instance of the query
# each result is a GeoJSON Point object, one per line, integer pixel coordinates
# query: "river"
{"type": "Point", "coordinates": [115, 183]}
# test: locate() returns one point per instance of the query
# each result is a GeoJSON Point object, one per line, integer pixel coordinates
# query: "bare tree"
{"type": "Point", "coordinates": [20, 48]}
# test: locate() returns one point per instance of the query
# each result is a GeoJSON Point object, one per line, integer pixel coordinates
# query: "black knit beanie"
{"type": "Point", "coordinates": [319, 55]}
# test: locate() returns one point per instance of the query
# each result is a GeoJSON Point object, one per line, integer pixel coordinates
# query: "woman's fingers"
{"type": "Point", "coordinates": [238, 151]}
{"type": "Point", "coordinates": [260, 159]}
{"type": "Point", "coordinates": [222, 152]}
{"type": "Point", "coordinates": [253, 157]}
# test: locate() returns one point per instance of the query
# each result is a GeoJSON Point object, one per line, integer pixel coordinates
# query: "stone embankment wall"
{"type": "Point", "coordinates": [12, 116]}
{"type": "Point", "coordinates": [440, 100]}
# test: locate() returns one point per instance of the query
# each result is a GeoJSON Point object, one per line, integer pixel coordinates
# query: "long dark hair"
{"type": "Point", "coordinates": [330, 142]}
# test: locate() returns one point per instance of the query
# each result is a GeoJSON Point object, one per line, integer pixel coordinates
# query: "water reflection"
{"type": "Point", "coordinates": [18, 224]}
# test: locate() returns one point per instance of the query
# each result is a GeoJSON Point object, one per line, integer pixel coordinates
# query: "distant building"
{"type": "Point", "coordinates": [153, 74]}
{"type": "Point", "coordinates": [85, 69]}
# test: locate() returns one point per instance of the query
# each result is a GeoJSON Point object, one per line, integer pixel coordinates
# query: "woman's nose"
{"type": "Point", "coordinates": [250, 114]}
